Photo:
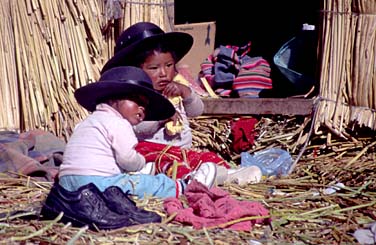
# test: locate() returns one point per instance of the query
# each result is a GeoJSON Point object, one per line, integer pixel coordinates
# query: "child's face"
{"type": "Point", "coordinates": [132, 109]}
{"type": "Point", "coordinates": [161, 69]}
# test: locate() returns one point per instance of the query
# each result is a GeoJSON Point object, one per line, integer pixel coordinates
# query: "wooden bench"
{"type": "Point", "coordinates": [258, 106]}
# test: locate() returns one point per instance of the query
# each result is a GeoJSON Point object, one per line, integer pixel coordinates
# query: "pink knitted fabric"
{"type": "Point", "coordinates": [215, 207]}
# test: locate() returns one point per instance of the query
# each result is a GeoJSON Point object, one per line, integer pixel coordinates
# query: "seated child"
{"type": "Point", "coordinates": [101, 149]}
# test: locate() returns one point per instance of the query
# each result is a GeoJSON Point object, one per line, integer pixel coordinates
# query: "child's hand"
{"type": "Point", "coordinates": [176, 89]}
{"type": "Point", "coordinates": [176, 118]}
{"type": "Point", "coordinates": [174, 125]}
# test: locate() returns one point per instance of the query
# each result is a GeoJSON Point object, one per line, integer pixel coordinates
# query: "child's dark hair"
{"type": "Point", "coordinates": [162, 47]}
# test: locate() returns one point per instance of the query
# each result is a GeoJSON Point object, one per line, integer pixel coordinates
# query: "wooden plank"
{"type": "Point", "coordinates": [258, 106]}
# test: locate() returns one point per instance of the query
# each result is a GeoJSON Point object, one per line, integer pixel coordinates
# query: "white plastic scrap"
{"type": "Point", "coordinates": [366, 236]}
{"type": "Point", "coordinates": [333, 189]}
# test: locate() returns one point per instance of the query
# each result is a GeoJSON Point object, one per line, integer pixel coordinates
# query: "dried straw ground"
{"type": "Point", "coordinates": [301, 209]}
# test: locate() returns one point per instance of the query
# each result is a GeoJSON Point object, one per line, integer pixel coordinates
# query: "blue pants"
{"type": "Point", "coordinates": [141, 185]}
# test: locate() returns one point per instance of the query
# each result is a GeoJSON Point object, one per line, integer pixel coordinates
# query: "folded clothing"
{"type": "Point", "coordinates": [215, 208]}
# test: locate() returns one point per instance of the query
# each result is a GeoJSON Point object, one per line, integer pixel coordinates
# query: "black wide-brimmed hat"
{"type": "Point", "coordinates": [125, 80]}
{"type": "Point", "coordinates": [143, 35]}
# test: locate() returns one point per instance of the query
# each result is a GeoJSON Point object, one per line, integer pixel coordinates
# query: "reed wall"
{"type": "Point", "coordinates": [50, 48]}
{"type": "Point", "coordinates": [348, 66]}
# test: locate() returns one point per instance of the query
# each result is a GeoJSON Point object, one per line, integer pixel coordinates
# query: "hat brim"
{"type": "Point", "coordinates": [159, 107]}
{"type": "Point", "coordinates": [180, 42]}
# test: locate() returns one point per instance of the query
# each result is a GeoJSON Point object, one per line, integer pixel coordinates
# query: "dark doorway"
{"type": "Point", "coordinates": [267, 24]}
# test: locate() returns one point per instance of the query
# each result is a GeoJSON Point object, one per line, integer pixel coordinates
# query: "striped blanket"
{"type": "Point", "coordinates": [232, 73]}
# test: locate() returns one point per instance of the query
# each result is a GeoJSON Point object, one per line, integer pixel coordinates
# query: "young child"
{"type": "Point", "coordinates": [167, 143]}
{"type": "Point", "coordinates": [146, 46]}
{"type": "Point", "coordinates": [101, 149]}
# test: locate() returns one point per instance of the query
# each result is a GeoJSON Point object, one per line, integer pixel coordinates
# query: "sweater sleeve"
{"type": "Point", "coordinates": [193, 105]}
{"type": "Point", "coordinates": [123, 145]}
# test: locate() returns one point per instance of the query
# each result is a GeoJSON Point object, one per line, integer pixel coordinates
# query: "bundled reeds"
{"type": "Point", "coordinates": [50, 48]}
{"type": "Point", "coordinates": [348, 66]}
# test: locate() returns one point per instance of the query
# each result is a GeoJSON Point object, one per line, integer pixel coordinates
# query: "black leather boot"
{"type": "Point", "coordinates": [86, 206]}
{"type": "Point", "coordinates": [121, 203]}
